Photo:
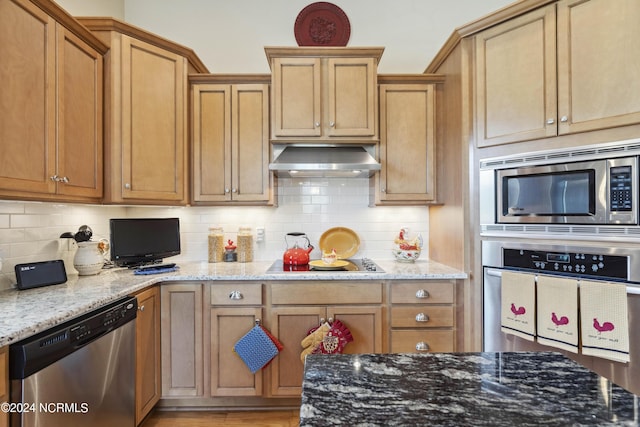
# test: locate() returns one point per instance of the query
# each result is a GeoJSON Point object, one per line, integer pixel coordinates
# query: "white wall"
{"type": "Point", "coordinates": [229, 36]}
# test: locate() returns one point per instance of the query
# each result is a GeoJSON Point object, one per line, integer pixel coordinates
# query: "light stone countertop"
{"type": "Point", "coordinates": [27, 312]}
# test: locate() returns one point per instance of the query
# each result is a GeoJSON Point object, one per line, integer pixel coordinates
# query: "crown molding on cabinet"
{"type": "Point", "coordinates": [112, 24]}
{"type": "Point", "coordinates": [508, 12]}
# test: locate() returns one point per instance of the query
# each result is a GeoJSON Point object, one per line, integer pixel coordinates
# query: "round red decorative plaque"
{"type": "Point", "coordinates": [322, 24]}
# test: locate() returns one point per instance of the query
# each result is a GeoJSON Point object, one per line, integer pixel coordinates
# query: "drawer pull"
{"type": "Point", "coordinates": [422, 294]}
{"type": "Point", "coordinates": [422, 346]}
{"type": "Point", "coordinates": [421, 317]}
{"type": "Point", "coordinates": [236, 295]}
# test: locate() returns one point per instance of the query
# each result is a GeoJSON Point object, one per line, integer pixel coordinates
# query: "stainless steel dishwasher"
{"type": "Point", "coordinates": [79, 373]}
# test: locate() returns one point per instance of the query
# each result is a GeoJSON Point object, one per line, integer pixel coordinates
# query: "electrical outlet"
{"type": "Point", "coordinates": [259, 234]}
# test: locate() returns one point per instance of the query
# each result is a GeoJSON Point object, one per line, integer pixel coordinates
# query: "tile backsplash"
{"type": "Point", "coordinates": [29, 231]}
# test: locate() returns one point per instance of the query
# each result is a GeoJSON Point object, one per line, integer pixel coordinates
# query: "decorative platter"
{"type": "Point", "coordinates": [344, 240]}
{"type": "Point", "coordinates": [322, 24]}
{"type": "Point", "coordinates": [318, 264]}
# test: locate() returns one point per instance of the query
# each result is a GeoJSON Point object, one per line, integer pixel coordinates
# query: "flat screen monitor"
{"type": "Point", "coordinates": [137, 241]}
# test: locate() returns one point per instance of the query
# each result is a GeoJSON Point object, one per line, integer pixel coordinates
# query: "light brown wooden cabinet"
{"type": "Point", "coordinates": [407, 144]}
{"type": "Point", "coordinates": [146, 146]}
{"type": "Point", "coordinates": [148, 355]}
{"type": "Point", "coordinates": [529, 87]}
{"type": "Point", "coordinates": [235, 309]}
{"type": "Point", "coordinates": [230, 141]}
{"type": "Point", "coordinates": [182, 340]}
{"type": "Point", "coordinates": [422, 316]}
{"type": "Point", "coordinates": [296, 308]}
{"type": "Point", "coordinates": [324, 94]}
{"type": "Point", "coordinates": [4, 384]}
{"type": "Point", "coordinates": [52, 139]}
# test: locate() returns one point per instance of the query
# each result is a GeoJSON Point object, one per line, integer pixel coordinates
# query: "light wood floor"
{"type": "Point", "coordinates": [289, 418]}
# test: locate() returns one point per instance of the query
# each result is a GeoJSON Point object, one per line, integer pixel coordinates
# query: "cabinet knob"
{"type": "Point", "coordinates": [234, 190]}
{"type": "Point", "coordinates": [422, 294]}
{"type": "Point", "coordinates": [383, 190]}
{"type": "Point", "coordinates": [236, 295]}
{"type": "Point", "coordinates": [317, 124]}
{"type": "Point", "coordinates": [54, 178]}
{"type": "Point", "coordinates": [551, 121]}
{"type": "Point", "coordinates": [564, 119]}
{"type": "Point", "coordinates": [141, 308]}
{"type": "Point", "coordinates": [127, 186]}
{"type": "Point", "coordinates": [64, 179]}
{"type": "Point", "coordinates": [226, 190]}
{"type": "Point", "coordinates": [421, 317]}
{"type": "Point", "coordinates": [422, 346]}
{"type": "Point", "coordinates": [332, 124]}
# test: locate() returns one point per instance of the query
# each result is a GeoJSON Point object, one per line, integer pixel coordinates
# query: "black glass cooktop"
{"type": "Point", "coordinates": [364, 265]}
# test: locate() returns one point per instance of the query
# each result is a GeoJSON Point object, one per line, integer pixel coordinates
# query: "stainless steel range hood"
{"type": "Point", "coordinates": [324, 161]}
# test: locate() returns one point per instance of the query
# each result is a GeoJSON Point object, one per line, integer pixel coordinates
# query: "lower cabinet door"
{"type": "Point", "coordinates": [230, 376]}
{"type": "Point", "coordinates": [148, 379]}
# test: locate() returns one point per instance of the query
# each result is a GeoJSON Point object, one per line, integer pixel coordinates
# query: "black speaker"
{"type": "Point", "coordinates": [37, 274]}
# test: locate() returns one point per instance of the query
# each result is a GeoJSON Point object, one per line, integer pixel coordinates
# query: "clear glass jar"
{"type": "Point", "coordinates": [216, 244]}
{"type": "Point", "coordinates": [245, 244]}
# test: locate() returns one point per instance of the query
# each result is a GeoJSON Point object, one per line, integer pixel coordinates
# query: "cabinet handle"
{"type": "Point", "coordinates": [141, 308]}
{"type": "Point", "coordinates": [422, 294]}
{"type": "Point", "coordinates": [422, 346]}
{"type": "Point", "coordinates": [56, 178]}
{"type": "Point", "coordinates": [551, 121]}
{"type": "Point", "coordinates": [564, 119]}
{"type": "Point", "coordinates": [421, 317]}
{"type": "Point", "coordinates": [236, 295]}
{"type": "Point", "coordinates": [127, 186]}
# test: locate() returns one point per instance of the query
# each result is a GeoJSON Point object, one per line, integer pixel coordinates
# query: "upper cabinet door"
{"type": "Point", "coordinates": [351, 97]}
{"type": "Point", "coordinates": [154, 113]}
{"type": "Point", "coordinates": [296, 97]}
{"type": "Point", "coordinates": [27, 98]}
{"type": "Point", "coordinates": [79, 117]}
{"type": "Point", "coordinates": [598, 64]}
{"type": "Point", "coordinates": [516, 79]}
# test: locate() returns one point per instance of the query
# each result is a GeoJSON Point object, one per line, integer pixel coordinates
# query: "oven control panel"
{"type": "Point", "coordinates": [570, 263]}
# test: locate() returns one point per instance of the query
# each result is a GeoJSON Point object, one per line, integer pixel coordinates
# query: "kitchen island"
{"type": "Point", "coordinates": [460, 389]}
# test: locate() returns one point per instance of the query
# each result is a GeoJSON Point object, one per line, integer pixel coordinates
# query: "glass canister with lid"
{"type": "Point", "coordinates": [245, 244]}
{"type": "Point", "coordinates": [216, 244]}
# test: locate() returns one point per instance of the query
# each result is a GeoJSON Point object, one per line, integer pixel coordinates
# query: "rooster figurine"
{"type": "Point", "coordinates": [564, 320]}
{"type": "Point", "coordinates": [605, 327]}
{"type": "Point", "coordinates": [517, 311]}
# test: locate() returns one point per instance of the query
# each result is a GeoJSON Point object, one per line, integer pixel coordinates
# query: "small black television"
{"type": "Point", "coordinates": [139, 241]}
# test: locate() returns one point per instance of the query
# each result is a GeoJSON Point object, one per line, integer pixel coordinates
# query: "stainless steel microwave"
{"type": "Point", "coordinates": [594, 192]}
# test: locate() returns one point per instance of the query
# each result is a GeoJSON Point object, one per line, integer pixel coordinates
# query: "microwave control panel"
{"type": "Point", "coordinates": [568, 263]}
{"type": "Point", "coordinates": [621, 189]}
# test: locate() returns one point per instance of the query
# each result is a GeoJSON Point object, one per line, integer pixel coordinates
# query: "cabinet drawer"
{"type": "Point", "coordinates": [432, 341]}
{"type": "Point", "coordinates": [421, 316]}
{"type": "Point", "coordinates": [434, 292]}
{"type": "Point", "coordinates": [236, 294]}
{"type": "Point", "coordinates": [326, 293]}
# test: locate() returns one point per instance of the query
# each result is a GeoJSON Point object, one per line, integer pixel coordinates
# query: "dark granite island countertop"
{"type": "Point", "coordinates": [460, 389]}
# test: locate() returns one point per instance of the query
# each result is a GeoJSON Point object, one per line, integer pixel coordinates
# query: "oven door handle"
{"type": "Point", "coordinates": [632, 290]}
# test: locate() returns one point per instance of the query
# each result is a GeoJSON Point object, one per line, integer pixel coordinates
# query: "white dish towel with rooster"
{"type": "Point", "coordinates": [518, 305]}
{"type": "Point", "coordinates": [604, 320]}
{"type": "Point", "coordinates": [558, 312]}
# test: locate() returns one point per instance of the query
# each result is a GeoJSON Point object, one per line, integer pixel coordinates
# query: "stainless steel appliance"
{"type": "Point", "coordinates": [589, 190]}
{"type": "Point", "coordinates": [363, 265]}
{"type": "Point", "coordinates": [80, 373]}
{"type": "Point", "coordinates": [620, 264]}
